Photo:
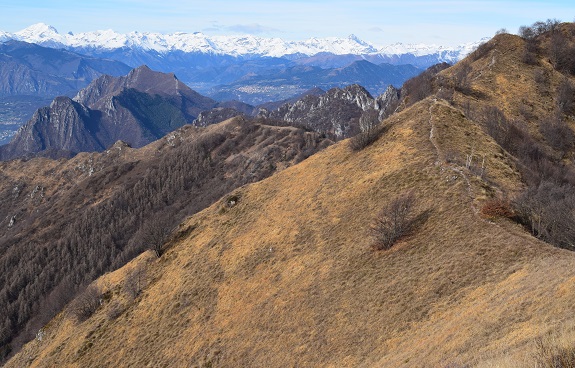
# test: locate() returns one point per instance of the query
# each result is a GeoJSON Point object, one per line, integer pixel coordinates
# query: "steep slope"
{"type": "Point", "coordinates": [65, 222]}
{"type": "Point", "coordinates": [284, 272]}
{"type": "Point", "coordinates": [64, 126]}
{"type": "Point", "coordinates": [138, 109]}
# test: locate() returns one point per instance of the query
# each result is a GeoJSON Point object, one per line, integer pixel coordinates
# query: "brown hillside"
{"type": "Point", "coordinates": [283, 272]}
{"type": "Point", "coordinates": [286, 277]}
{"type": "Point", "coordinates": [64, 223]}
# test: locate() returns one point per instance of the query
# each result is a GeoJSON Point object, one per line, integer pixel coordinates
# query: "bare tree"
{"type": "Point", "coordinates": [462, 80]}
{"type": "Point", "coordinates": [565, 92]}
{"type": "Point", "coordinates": [558, 134]}
{"type": "Point", "coordinates": [369, 120]}
{"type": "Point", "coordinates": [86, 303]}
{"type": "Point", "coordinates": [155, 233]}
{"type": "Point", "coordinates": [547, 211]}
{"type": "Point", "coordinates": [135, 281]}
{"type": "Point", "coordinates": [394, 221]}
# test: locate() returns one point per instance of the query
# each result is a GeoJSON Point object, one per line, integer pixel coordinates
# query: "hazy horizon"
{"type": "Point", "coordinates": [447, 23]}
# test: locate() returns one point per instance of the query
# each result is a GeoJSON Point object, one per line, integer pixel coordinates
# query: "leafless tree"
{"type": "Point", "coordinates": [558, 134]}
{"type": "Point", "coordinates": [86, 303]}
{"type": "Point", "coordinates": [135, 281]}
{"type": "Point", "coordinates": [369, 120]}
{"type": "Point", "coordinates": [565, 93]}
{"type": "Point", "coordinates": [394, 221]}
{"type": "Point", "coordinates": [155, 233]}
{"type": "Point", "coordinates": [548, 212]}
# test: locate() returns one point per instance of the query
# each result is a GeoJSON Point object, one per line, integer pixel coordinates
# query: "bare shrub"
{"type": "Point", "coordinates": [86, 303]}
{"type": "Point", "coordinates": [529, 34]}
{"type": "Point", "coordinates": [462, 80]}
{"type": "Point", "coordinates": [484, 48]}
{"type": "Point", "coordinates": [394, 221]}
{"type": "Point", "coordinates": [421, 86]}
{"type": "Point", "coordinates": [541, 77]}
{"type": "Point", "coordinates": [558, 134]}
{"type": "Point", "coordinates": [565, 93]}
{"type": "Point", "coordinates": [552, 355]}
{"type": "Point", "coordinates": [115, 310]}
{"type": "Point", "coordinates": [155, 232]}
{"type": "Point", "coordinates": [526, 32]}
{"type": "Point", "coordinates": [530, 52]}
{"type": "Point", "coordinates": [369, 120]}
{"type": "Point", "coordinates": [538, 28]}
{"type": "Point", "coordinates": [547, 211]}
{"type": "Point", "coordinates": [365, 138]}
{"type": "Point", "coordinates": [135, 281]}
{"type": "Point", "coordinates": [497, 207]}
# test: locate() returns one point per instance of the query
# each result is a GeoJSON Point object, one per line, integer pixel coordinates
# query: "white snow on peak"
{"type": "Point", "coordinates": [5, 36]}
{"type": "Point", "coordinates": [39, 33]}
{"type": "Point", "coordinates": [239, 45]}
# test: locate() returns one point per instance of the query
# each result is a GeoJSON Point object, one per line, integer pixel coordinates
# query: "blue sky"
{"type": "Point", "coordinates": [378, 22]}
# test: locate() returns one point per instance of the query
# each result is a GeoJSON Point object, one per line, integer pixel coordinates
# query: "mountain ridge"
{"type": "Point", "coordinates": [137, 108]}
{"type": "Point", "coordinates": [288, 271]}
{"type": "Point", "coordinates": [238, 46]}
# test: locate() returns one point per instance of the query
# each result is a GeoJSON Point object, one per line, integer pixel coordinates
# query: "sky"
{"type": "Point", "coordinates": [379, 22]}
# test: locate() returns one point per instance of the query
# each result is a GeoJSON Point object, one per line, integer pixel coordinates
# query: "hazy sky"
{"type": "Point", "coordinates": [378, 22]}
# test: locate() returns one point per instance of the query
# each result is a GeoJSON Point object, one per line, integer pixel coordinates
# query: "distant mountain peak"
{"type": "Point", "coordinates": [39, 30]}
{"type": "Point", "coordinates": [238, 45]}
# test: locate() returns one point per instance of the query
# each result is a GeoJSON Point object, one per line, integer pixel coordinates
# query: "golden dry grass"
{"type": "Point", "coordinates": [286, 277]}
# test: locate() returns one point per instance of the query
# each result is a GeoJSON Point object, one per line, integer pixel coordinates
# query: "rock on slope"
{"type": "Point", "coordinates": [282, 272]}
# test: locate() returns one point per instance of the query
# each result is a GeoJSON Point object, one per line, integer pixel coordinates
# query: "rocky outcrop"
{"type": "Point", "coordinates": [138, 109]}
{"type": "Point", "coordinates": [387, 102]}
{"type": "Point", "coordinates": [215, 116]}
{"type": "Point", "coordinates": [59, 129]}
{"type": "Point", "coordinates": [336, 112]}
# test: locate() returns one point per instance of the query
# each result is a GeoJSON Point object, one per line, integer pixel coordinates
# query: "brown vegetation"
{"type": "Point", "coordinates": [65, 223]}
{"type": "Point", "coordinates": [85, 303]}
{"type": "Point", "coordinates": [280, 272]}
{"type": "Point", "coordinates": [394, 221]}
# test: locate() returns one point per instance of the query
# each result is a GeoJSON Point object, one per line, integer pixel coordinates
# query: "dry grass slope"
{"type": "Point", "coordinates": [286, 276]}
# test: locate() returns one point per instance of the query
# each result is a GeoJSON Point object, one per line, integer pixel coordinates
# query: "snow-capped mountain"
{"type": "Point", "coordinates": [244, 45]}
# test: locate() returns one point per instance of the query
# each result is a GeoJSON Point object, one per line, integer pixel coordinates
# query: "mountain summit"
{"type": "Point", "coordinates": [197, 42]}
{"type": "Point", "coordinates": [137, 109]}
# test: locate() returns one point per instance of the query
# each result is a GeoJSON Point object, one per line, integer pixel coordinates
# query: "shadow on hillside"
{"type": "Point", "coordinates": [419, 220]}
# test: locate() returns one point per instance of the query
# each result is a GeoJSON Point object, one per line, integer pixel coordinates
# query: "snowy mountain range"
{"type": "Point", "coordinates": [237, 46]}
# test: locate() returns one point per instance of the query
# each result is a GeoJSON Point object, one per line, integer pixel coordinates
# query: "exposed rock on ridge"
{"type": "Point", "coordinates": [138, 108]}
{"type": "Point", "coordinates": [336, 112]}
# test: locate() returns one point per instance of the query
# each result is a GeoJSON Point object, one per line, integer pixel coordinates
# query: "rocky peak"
{"type": "Point", "coordinates": [337, 111]}
{"type": "Point", "coordinates": [387, 102]}
{"type": "Point", "coordinates": [137, 108]}
{"type": "Point", "coordinates": [356, 94]}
